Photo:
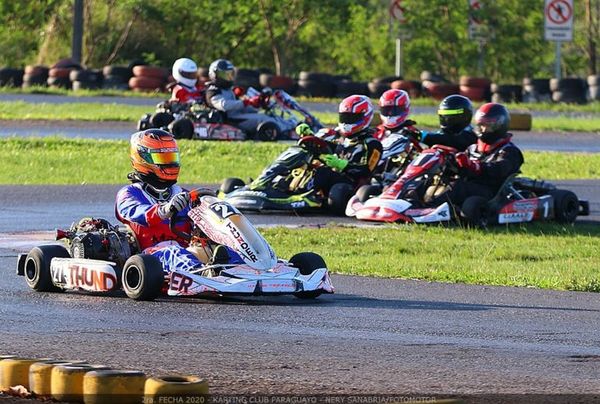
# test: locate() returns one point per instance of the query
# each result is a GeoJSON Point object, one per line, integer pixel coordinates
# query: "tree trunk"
{"type": "Point", "coordinates": [592, 35]}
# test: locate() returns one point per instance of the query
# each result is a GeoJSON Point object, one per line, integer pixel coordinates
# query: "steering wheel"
{"type": "Point", "coordinates": [314, 145]}
{"type": "Point", "coordinates": [195, 196]}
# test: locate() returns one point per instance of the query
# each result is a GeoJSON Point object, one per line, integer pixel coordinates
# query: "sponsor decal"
{"type": "Point", "coordinates": [244, 247]}
{"type": "Point", "coordinates": [223, 210]}
{"type": "Point", "coordinates": [77, 275]}
{"type": "Point", "coordinates": [180, 283]}
{"type": "Point", "coordinates": [523, 206]}
{"type": "Point", "coordinates": [515, 217]}
{"type": "Point", "coordinates": [299, 204]}
{"type": "Point", "coordinates": [255, 193]}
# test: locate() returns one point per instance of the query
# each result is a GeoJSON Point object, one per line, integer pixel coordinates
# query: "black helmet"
{"type": "Point", "coordinates": [222, 73]}
{"type": "Point", "coordinates": [455, 113]}
{"type": "Point", "coordinates": [491, 122]}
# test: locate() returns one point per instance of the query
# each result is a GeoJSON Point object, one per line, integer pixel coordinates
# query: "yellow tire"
{"type": "Point", "coordinates": [40, 376]}
{"type": "Point", "coordinates": [2, 357]}
{"type": "Point", "coordinates": [15, 372]}
{"type": "Point", "coordinates": [112, 386]}
{"type": "Point", "coordinates": [175, 386]}
{"type": "Point", "coordinates": [67, 381]}
{"type": "Point", "coordinates": [520, 121]}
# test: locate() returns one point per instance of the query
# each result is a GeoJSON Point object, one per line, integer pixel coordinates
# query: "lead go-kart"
{"type": "Point", "coordinates": [415, 196]}
{"type": "Point", "coordinates": [103, 258]}
{"type": "Point", "coordinates": [198, 121]}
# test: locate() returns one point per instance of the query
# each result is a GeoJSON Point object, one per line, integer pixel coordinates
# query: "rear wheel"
{"type": "Point", "coordinates": [338, 198]}
{"type": "Point", "coordinates": [142, 277]}
{"type": "Point", "coordinates": [366, 192]}
{"type": "Point", "coordinates": [307, 263]}
{"type": "Point", "coordinates": [475, 212]}
{"type": "Point", "coordinates": [161, 119]}
{"type": "Point", "coordinates": [566, 206]}
{"type": "Point", "coordinates": [267, 132]}
{"type": "Point", "coordinates": [231, 184]}
{"type": "Point", "coordinates": [37, 267]}
{"type": "Point", "coordinates": [182, 128]}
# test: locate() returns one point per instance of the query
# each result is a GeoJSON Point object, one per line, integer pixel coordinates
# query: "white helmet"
{"type": "Point", "coordinates": [185, 72]}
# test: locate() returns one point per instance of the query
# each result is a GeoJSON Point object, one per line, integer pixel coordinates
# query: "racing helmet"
{"type": "Point", "coordinates": [455, 113]}
{"type": "Point", "coordinates": [394, 106]}
{"type": "Point", "coordinates": [222, 73]}
{"type": "Point", "coordinates": [491, 122]}
{"type": "Point", "coordinates": [355, 114]}
{"type": "Point", "coordinates": [185, 72]}
{"type": "Point", "coordinates": [155, 157]}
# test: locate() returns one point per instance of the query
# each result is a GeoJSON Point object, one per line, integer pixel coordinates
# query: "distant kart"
{"type": "Point", "coordinates": [102, 258]}
{"type": "Point", "coordinates": [197, 121]}
{"type": "Point", "coordinates": [409, 199]}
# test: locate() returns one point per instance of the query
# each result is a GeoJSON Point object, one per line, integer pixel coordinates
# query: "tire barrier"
{"type": "Point", "coordinates": [15, 372]}
{"type": "Point", "coordinates": [175, 386]}
{"type": "Point", "coordinates": [520, 121]}
{"type": "Point", "coordinates": [246, 78]}
{"type": "Point", "coordinates": [86, 79]}
{"type": "Point", "coordinates": [110, 386]}
{"type": "Point", "coordinates": [536, 90]}
{"type": "Point", "coordinates": [376, 89]}
{"type": "Point", "coordinates": [116, 77]}
{"type": "Point", "coordinates": [593, 83]}
{"type": "Point", "coordinates": [35, 75]}
{"type": "Point", "coordinates": [40, 376]}
{"type": "Point", "coordinates": [347, 88]}
{"type": "Point", "coordinates": [277, 82]}
{"type": "Point", "coordinates": [439, 91]}
{"type": "Point", "coordinates": [315, 84]}
{"type": "Point", "coordinates": [413, 88]}
{"type": "Point", "coordinates": [475, 88]}
{"type": "Point", "coordinates": [67, 381]}
{"type": "Point", "coordinates": [506, 93]}
{"type": "Point", "coordinates": [433, 77]}
{"type": "Point", "coordinates": [569, 90]}
{"type": "Point", "coordinates": [148, 78]}
{"type": "Point", "coordinates": [10, 77]}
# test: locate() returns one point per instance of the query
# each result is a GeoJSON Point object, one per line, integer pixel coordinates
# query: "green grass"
{"type": "Point", "coordinates": [56, 160]}
{"type": "Point", "coordinates": [512, 255]}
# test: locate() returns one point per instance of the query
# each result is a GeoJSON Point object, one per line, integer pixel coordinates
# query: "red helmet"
{"type": "Point", "coordinates": [356, 113]}
{"type": "Point", "coordinates": [155, 157]}
{"type": "Point", "coordinates": [491, 122]}
{"type": "Point", "coordinates": [394, 106]}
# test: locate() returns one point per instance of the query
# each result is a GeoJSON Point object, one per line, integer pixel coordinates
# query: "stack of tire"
{"type": "Point", "coordinates": [247, 78]}
{"type": "Point", "coordinates": [506, 93]}
{"type": "Point", "coordinates": [593, 84]}
{"type": "Point", "coordinates": [345, 87]}
{"type": "Point", "coordinates": [315, 84]}
{"type": "Point", "coordinates": [536, 90]}
{"type": "Point", "coordinates": [116, 77]}
{"type": "Point", "coordinates": [275, 82]}
{"type": "Point", "coordinates": [86, 79]}
{"type": "Point", "coordinates": [570, 90]}
{"type": "Point", "coordinates": [413, 88]}
{"type": "Point", "coordinates": [437, 86]}
{"type": "Point", "coordinates": [35, 75]}
{"type": "Point", "coordinates": [475, 88]}
{"type": "Point", "coordinates": [148, 78]}
{"type": "Point", "coordinates": [59, 73]}
{"type": "Point", "coordinates": [10, 77]}
{"type": "Point", "coordinates": [380, 85]}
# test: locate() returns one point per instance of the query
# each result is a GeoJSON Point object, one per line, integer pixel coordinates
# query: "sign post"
{"type": "Point", "coordinates": [558, 26]}
{"type": "Point", "coordinates": [397, 13]}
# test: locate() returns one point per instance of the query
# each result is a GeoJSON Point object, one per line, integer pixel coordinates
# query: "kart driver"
{"type": "Point", "coordinates": [394, 107]}
{"type": "Point", "coordinates": [187, 88]}
{"type": "Point", "coordinates": [153, 198]}
{"type": "Point", "coordinates": [486, 165]}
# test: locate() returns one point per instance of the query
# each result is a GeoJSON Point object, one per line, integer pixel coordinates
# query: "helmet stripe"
{"type": "Point", "coordinates": [450, 111]}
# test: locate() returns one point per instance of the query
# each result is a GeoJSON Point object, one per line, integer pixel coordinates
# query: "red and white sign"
{"type": "Point", "coordinates": [558, 17]}
{"type": "Point", "coordinates": [397, 11]}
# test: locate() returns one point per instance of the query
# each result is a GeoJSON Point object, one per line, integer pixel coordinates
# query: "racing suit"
{"type": "Point", "coordinates": [460, 140]}
{"type": "Point", "coordinates": [184, 94]}
{"type": "Point", "coordinates": [235, 112]}
{"type": "Point", "coordinates": [362, 151]}
{"type": "Point", "coordinates": [405, 128]}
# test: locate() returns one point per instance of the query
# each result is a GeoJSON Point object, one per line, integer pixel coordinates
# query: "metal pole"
{"type": "Point", "coordinates": [557, 61]}
{"type": "Point", "coordinates": [480, 61]}
{"type": "Point", "coordinates": [398, 57]}
{"type": "Point", "coordinates": [77, 42]}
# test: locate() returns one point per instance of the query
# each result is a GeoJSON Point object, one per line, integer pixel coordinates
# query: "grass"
{"type": "Point", "coordinates": [20, 110]}
{"type": "Point", "coordinates": [512, 255]}
{"type": "Point", "coordinates": [55, 160]}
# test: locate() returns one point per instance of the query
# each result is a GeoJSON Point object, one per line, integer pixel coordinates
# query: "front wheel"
{"type": "Point", "coordinates": [367, 192]}
{"type": "Point", "coordinates": [182, 128]}
{"type": "Point", "coordinates": [307, 263]}
{"type": "Point", "coordinates": [231, 184]}
{"type": "Point", "coordinates": [474, 211]}
{"type": "Point", "coordinates": [37, 267]}
{"type": "Point", "coordinates": [142, 277]}
{"type": "Point", "coordinates": [338, 198]}
{"type": "Point", "coordinates": [566, 206]}
{"type": "Point", "coordinates": [267, 132]}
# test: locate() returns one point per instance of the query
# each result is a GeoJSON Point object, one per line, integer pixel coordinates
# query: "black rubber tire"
{"type": "Point", "coordinates": [124, 73]}
{"type": "Point", "coordinates": [474, 212]}
{"type": "Point", "coordinates": [182, 128]}
{"type": "Point", "coordinates": [594, 93]}
{"type": "Point", "coordinates": [366, 192]}
{"type": "Point", "coordinates": [85, 85]}
{"type": "Point", "coordinates": [267, 132]}
{"type": "Point", "coordinates": [566, 206]}
{"type": "Point", "coordinates": [338, 198]}
{"type": "Point", "coordinates": [386, 79]}
{"type": "Point", "coordinates": [316, 88]}
{"type": "Point", "coordinates": [231, 184]}
{"type": "Point", "coordinates": [91, 76]}
{"type": "Point", "coordinates": [377, 89]}
{"type": "Point", "coordinates": [433, 77]}
{"type": "Point", "coordinates": [11, 77]}
{"type": "Point", "coordinates": [161, 119]}
{"type": "Point", "coordinates": [142, 277]}
{"type": "Point", "coordinates": [347, 88]}
{"type": "Point", "coordinates": [37, 267]}
{"type": "Point", "coordinates": [307, 263]}
{"type": "Point", "coordinates": [540, 86]}
{"type": "Point", "coordinates": [61, 82]}
{"type": "Point", "coordinates": [315, 76]}
{"type": "Point", "coordinates": [569, 97]}
{"type": "Point", "coordinates": [35, 80]}
{"type": "Point", "coordinates": [568, 84]}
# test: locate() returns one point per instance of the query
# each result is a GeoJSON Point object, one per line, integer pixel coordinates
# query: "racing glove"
{"type": "Point", "coordinates": [174, 206]}
{"type": "Point", "coordinates": [463, 161]}
{"type": "Point", "coordinates": [238, 91]}
{"type": "Point", "coordinates": [304, 130]}
{"type": "Point", "coordinates": [333, 161]}
{"type": "Point", "coordinates": [253, 101]}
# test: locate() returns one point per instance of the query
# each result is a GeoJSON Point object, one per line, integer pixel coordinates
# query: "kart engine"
{"type": "Point", "coordinates": [98, 239]}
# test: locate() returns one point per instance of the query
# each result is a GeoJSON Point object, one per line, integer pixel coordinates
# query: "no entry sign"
{"type": "Point", "coordinates": [558, 16]}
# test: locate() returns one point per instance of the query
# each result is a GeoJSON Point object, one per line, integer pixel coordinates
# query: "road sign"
{"type": "Point", "coordinates": [397, 11]}
{"type": "Point", "coordinates": [476, 25]}
{"type": "Point", "coordinates": [558, 16]}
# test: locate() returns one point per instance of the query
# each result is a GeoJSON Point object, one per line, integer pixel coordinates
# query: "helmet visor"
{"type": "Point", "coordinates": [450, 112]}
{"type": "Point", "coordinates": [161, 156]}
{"type": "Point", "coordinates": [349, 117]}
{"type": "Point", "coordinates": [227, 75]}
{"type": "Point", "coordinates": [392, 110]}
{"type": "Point", "coordinates": [189, 75]}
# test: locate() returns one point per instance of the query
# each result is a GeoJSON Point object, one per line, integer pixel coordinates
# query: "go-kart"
{"type": "Point", "coordinates": [412, 198]}
{"type": "Point", "coordinates": [103, 258]}
{"type": "Point", "coordinates": [287, 184]}
{"type": "Point", "coordinates": [198, 121]}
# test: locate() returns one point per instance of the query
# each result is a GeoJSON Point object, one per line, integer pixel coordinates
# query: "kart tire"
{"type": "Point", "coordinates": [11, 77]}
{"type": "Point", "coordinates": [105, 386]}
{"type": "Point", "coordinates": [474, 212]}
{"type": "Point", "coordinates": [174, 386]}
{"type": "Point", "coordinates": [267, 132]}
{"type": "Point", "coordinates": [85, 85]}
{"type": "Point", "coordinates": [122, 72]}
{"type": "Point", "coordinates": [182, 128]}
{"type": "Point", "coordinates": [338, 198]}
{"type": "Point", "coordinates": [40, 374]}
{"type": "Point", "coordinates": [376, 89]}
{"type": "Point", "coordinates": [231, 184]}
{"type": "Point", "coordinates": [15, 372]}
{"type": "Point", "coordinates": [566, 206]}
{"type": "Point", "coordinates": [66, 381]}
{"type": "Point", "coordinates": [37, 267]}
{"type": "Point", "coordinates": [366, 192]}
{"type": "Point", "coordinates": [142, 277]}
{"type": "Point", "coordinates": [161, 120]}
{"type": "Point", "coordinates": [158, 73]}
{"type": "Point", "coordinates": [307, 263]}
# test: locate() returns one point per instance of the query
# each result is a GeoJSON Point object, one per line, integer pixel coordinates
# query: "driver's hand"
{"type": "Point", "coordinates": [255, 101]}
{"type": "Point", "coordinates": [304, 129]}
{"type": "Point", "coordinates": [178, 203]}
{"type": "Point", "coordinates": [333, 161]}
